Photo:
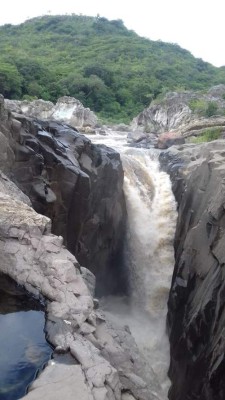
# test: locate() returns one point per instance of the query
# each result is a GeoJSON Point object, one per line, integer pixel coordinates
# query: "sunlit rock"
{"type": "Point", "coordinates": [67, 109]}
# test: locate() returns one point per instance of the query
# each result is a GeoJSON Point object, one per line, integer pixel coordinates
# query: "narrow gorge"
{"type": "Point", "coordinates": [89, 224]}
{"type": "Point", "coordinates": [79, 185]}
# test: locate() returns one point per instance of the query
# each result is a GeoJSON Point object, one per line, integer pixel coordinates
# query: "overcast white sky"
{"type": "Point", "coordinates": [196, 25]}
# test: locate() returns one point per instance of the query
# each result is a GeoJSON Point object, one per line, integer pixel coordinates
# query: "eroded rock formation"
{"type": "Point", "coordinates": [76, 184]}
{"type": "Point", "coordinates": [196, 315]}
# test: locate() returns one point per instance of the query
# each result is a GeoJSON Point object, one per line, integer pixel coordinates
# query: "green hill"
{"type": "Point", "coordinates": [103, 64]}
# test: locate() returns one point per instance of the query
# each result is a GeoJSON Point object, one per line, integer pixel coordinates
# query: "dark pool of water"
{"type": "Point", "coordinates": [23, 348]}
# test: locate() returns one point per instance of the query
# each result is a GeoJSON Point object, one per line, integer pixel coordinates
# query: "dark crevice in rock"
{"type": "Point", "coordinates": [17, 297]}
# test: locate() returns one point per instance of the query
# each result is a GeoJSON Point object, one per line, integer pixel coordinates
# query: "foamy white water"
{"type": "Point", "coordinates": [151, 210]}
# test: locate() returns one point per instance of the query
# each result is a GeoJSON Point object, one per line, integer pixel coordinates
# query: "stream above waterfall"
{"type": "Point", "coordinates": [148, 253]}
{"type": "Point", "coordinates": [24, 350]}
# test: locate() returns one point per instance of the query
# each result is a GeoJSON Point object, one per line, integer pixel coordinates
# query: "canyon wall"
{"type": "Point", "coordinates": [196, 316]}
{"type": "Point", "coordinates": [76, 184]}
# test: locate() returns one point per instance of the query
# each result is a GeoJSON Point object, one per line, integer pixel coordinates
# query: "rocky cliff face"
{"type": "Point", "coordinates": [76, 184]}
{"type": "Point", "coordinates": [196, 316]}
{"type": "Point", "coordinates": [179, 108]}
{"type": "Point", "coordinates": [67, 109]}
{"type": "Point", "coordinates": [180, 115]}
{"type": "Point", "coordinates": [165, 116]}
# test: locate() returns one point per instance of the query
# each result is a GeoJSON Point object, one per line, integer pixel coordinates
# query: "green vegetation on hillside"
{"type": "Point", "coordinates": [107, 67]}
{"type": "Point", "coordinates": [204, 108]}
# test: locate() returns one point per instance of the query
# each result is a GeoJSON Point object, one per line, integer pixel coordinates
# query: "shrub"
{"type": "Point", "coordinates": [198, 106]}
{"type": "Point", "coordinates": [203, 108]}
{"type": "Point", "coordinates": [212, 109]}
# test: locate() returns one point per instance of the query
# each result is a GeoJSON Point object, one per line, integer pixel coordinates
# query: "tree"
{"type": "Point", "coordinates": [10, 80]}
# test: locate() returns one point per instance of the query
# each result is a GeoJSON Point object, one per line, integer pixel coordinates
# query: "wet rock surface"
{"type": "Point", "coordinates": [196, 304]}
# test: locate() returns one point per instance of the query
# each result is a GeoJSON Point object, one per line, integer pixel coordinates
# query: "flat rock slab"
{"type": "Point", "coordinates": [60, 381]}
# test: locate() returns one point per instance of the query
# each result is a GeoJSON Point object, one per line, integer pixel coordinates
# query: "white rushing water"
{"type": "Point", "coordinates": [149, 254]}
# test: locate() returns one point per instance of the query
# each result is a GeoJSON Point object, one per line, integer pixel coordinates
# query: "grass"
{"type": "Point", "coordinates": [208, 135]}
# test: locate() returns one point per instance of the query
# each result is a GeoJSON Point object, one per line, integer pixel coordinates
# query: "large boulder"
{"type": "Point", "coordinates": [167, 115]}
{"type": "Point", "coordinates": [169, 139]}
{"type": "Point", "coordinates": [196, 317]}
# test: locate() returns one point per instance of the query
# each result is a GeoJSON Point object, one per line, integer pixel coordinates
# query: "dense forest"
{"type": "Point", "coordinates": [103, 64]}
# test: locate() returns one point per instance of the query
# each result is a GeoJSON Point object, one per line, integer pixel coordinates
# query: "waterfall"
{"type": "Point", "coordinates": [149, 255]}
{"type": "Point", "coordinates": [151, 212]}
